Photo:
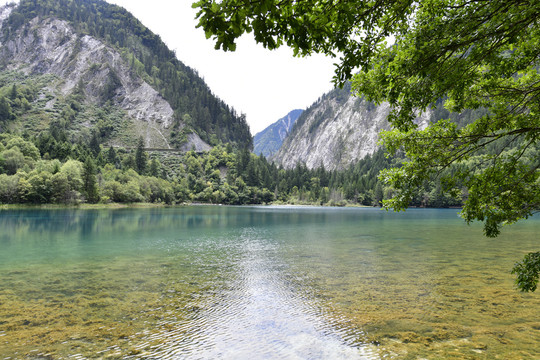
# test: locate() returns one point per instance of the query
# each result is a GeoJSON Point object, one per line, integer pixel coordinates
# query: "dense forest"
{"type": "Point", "coordinates": [150, 58]}
{"type": "Point", "coordinates": [50, 169]}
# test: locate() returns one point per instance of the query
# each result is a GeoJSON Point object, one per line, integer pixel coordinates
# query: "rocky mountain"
{"type": "Point", "coordinates": [90, 67]}
{"type": "Point", "coordinates": [336, 131]}
{"type": "Point", "coordinates": [268, 141]}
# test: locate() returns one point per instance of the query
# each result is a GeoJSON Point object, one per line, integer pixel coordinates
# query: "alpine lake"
{"type": "Point", "coordinates": [216, 282]}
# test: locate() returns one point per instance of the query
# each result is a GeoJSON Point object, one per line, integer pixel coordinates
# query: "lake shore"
{"type": "Point", "coordinates": [152, 205]}
{"type": "Point", "coordinates": [87, 206]}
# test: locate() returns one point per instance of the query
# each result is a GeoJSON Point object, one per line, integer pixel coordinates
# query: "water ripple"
{"type": "Point", "coordinates": [259, 314]}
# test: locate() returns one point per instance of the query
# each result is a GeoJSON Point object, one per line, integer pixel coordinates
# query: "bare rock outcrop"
{"type": "Point", "coordinates": [51, 46]}
{"type": "Point", "coordinates": [336, 131]}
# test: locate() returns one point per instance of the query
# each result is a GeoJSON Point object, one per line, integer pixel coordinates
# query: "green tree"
{"type": "Point", "coordinates": [141, 158]}
{"type": "Point", "coordinates": [73, 170]}
{"type": "Point", "coordinates": [13, 160]}
{"type": "Point", "coordinates": [113, 83]}
{"type": "Point", "coordinates": [94, 144]}
{"type": "Point", "coordinates": [315, 186]}
{"type": "Point", "coordinates": [60, 191]}
{"type": "Point", "coordinates": [473, 54]}
{"type": "Point", "coordinates": [13, 94]}
{"type": "Point", "coordinates": [128, 162]}
{"type": "Point", "coordinates": [8, 188]}
{"type": "Point", "coordinates": [2, 162]}
{"type": "Point", "coordinates": [5, 110]}
{"type": "Point", "coordinates": [26, 147]}
{"type": "Point", "coordinates": [378, 194]}
{"type": "Point", "coordinates": [155, 167]}
{"type": "Point", "coordinates": [112, 157]}
{"type": "Point", "coordinates": [89, 181]}
{"type": "Point", "coordinates": [40, 190]}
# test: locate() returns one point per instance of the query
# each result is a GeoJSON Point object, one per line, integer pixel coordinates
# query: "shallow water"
{"type": "Point", "coordinates": [261, 283]}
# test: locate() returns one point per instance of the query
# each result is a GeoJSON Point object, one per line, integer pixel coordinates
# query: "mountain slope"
{"type": "Point", "coordinates": [103, 56]}
{"type": "Point", "coordinates": [268, 141]}
{"type": "Point", "coordinates": [336, 131]}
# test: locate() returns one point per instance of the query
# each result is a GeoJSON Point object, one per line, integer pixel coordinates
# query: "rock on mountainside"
{"type": "Point", "coordinates": [118, 78]}
{"type": "Point", "coordinates": [268, 141]}
{"type": "Point", "coordinates": [51, 46]}
{"type": "Point", "coordinates": [336, 131]}
{"type": "Point", "coordinates": [54, 48]}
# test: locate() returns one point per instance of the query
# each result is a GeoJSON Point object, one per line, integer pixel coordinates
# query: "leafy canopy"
{"type": "Point", "coordinates": [470, 54]}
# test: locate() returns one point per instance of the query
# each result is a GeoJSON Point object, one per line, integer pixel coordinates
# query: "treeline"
{"type": "Point", "coordinates": [193, 102]}
{"type": "Point", "coordinates": [46, 169]}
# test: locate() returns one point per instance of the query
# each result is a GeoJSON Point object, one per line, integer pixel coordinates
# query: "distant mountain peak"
{"type": "Point", "coordinates": [336, 131]}
{"type": "Point", "coordinates": [268, 141]}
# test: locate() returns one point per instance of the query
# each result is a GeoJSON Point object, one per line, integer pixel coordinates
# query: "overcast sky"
{"type": "Point", "coordinates": [265, 85]}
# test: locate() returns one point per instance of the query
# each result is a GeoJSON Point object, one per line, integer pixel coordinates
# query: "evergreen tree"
{"type": "Point", "coordinates": [13, 93]}
{"type": "Point", "coordinates": [94, 144]}
{"type": "Point", "coordinates": [5, 110]}
{"type": "Point", "coordinates": [90, 188]}
{"type": "Point", "coordinates": [112, 157]}
{"type": "Point", "coordinates": [378, 194]}
{"type": "Point", "coordinates": [140, 157]}
{"type": "Point", "coordinates": [155, 167]}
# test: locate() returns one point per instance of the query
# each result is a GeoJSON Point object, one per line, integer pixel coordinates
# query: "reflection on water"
{"type": "Point", "coordinates": [266, 308]}
{"type": "Point", "coordinates": [261, 282]}
{"type": "Point", "coordinates": [259, 314]}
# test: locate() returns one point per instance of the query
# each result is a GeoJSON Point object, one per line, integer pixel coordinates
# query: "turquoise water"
{"type": "Point", "coordinates": [261, 282]}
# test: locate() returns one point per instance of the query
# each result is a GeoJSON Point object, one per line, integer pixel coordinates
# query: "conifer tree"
{"type": "Point", "coordinates": [112, 157]}
{"type": "Point", "coordinates": [5, 110]}
{"type": "Point", "coordinates": [155, 167]}
{"type": "Point", "coordinates": [140, 157]}
{"type": "Point", "coordinates": [94, 144]}
{"type": "Point", "coordinates": [90, 188]}
{"type": "Point", "coordinates": [13, 93]}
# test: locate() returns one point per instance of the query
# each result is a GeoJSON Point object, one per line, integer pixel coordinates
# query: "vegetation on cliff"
{"type": "Point", "coordinates": [193, 103]}
{"type": "Point", "coordinates": [49, 169]}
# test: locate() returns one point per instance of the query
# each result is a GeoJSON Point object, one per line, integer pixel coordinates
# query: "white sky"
{"type": "Point", "coordinates": [264, 85]}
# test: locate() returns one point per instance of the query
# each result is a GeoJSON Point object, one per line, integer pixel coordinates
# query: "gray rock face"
{"type": "Point", "coordinates": [335, 132]}
{"type": "Point", "coordinates": [268, 141]}
{"type": "Point", "coordinates": [5, 11]}
{"type": "Point", "coordinates": [51, 46]}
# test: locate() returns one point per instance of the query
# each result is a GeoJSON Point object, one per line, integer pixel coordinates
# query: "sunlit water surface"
{"type": "Point", "coordinates": [261, 283]}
